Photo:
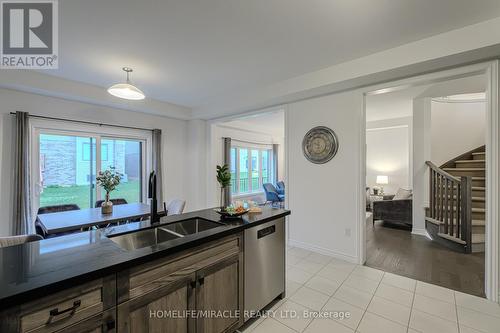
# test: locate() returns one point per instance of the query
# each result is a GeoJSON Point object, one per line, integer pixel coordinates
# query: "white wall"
{"type": "Point", "coordinates": [196, 154]}
{"type": "Point", "coordinates": [388, 151]}
{"type": "Point", "coordinates": [456, 128]}
{"type": "Point", "coordinates": [175, 144]}
{"type": "Point", "coordinates": [324, 198]}
{"type": "Point", "coordinates": [421, 154]}
{"type": "Point", "coordinates": [219, 131]}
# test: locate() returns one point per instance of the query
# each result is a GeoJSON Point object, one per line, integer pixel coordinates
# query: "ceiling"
{"type": "Point", "coordinates": [399, 103]}
{"type": "Point", "coordinates": [190, 52]}
{"type": "Point", "coordinates": [272, 123]}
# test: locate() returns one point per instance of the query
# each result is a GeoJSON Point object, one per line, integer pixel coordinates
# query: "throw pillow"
{"type": "Point", "coordinates": [402, 194]}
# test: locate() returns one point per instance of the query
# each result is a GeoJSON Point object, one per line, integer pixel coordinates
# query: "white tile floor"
{"type": "Point", "coordinates": [377, 302]}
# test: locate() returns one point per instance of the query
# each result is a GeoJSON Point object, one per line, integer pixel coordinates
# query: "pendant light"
{"type": "Point", "coordinates": [126, 90]}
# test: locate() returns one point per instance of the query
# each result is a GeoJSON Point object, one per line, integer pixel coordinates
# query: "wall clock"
{"type": "Point", "coordinates": [320, 145]}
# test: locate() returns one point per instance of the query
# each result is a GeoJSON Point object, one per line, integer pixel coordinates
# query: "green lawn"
{"type": "Point", "coordinates": [59, 195]}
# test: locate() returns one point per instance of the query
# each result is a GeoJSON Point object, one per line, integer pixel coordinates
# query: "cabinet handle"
{"type": "Point", "coordinates": [55, 312]}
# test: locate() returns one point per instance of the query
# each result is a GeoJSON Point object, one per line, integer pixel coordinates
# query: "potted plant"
{"type": "Point", "coordinates": [224, 179]}
{"type": "Point", "coordinates": [108, 180]}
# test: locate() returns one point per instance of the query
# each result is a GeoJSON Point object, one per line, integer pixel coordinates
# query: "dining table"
{"type": "Point", "coordinates": [81, 219]}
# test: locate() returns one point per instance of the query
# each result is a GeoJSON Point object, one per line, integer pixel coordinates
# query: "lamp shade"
{"type": "Point", "coordinates": [382, 180]}
{"type": "Point", "coordinates": [126, 91]}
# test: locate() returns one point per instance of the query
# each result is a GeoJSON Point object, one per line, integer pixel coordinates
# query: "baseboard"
{"type": "Point", "coordinates": [420, 232]}
{"type": "Point", "coordinates": [322, 250]}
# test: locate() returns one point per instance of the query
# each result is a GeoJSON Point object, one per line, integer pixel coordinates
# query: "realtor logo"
{"type": "Point", "coordinates": [29, 37]}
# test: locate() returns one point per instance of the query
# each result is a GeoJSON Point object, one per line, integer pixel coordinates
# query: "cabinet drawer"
{"type": "Point", "coordinates": [104, 322]}
{"type": "Point", "coordinates": [63, 309]}
{"type": "Point", "coordinates": [148, 277]}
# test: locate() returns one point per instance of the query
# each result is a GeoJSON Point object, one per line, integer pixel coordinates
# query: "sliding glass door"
{"type": "Point", "coordinates": [68, 165]}
{"type": "Point", "coordinates": [67, 170]}
{"type": "Point", "coordinates": [125, 155]}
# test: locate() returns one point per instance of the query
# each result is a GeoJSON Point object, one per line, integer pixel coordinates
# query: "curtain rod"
{"type": "Point", "coordinates": [85, 122]}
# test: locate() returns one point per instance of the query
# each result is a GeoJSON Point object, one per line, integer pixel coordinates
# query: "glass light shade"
{"type": "Point", "coordinates": [382, 180]}
{"type": "Point", "coordinates": [126, 91]}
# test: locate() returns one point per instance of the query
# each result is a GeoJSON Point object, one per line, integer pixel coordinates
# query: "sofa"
{"type": "Point", "coordinates": [397, 211]}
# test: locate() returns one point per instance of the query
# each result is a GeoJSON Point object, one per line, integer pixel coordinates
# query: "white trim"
{"type": "Point", "coordinates": [492, 184]}
{"type": "Point", "coordinates": [247, 114]}
{"type": "Point", "coordinates": [37, 126]}
{"type": "Point", "coordinates": [286, 147]}
{"type": "Point", "coordinates": [420, 232]}
{"type": "Point", "coordinates": [246, 130]}
{"type": "Point", "coordinates": [321, 250]}
{"type": "Point", "coordinates": [386, 128]}
{"type": "Point", "coordinates": [490, 69]}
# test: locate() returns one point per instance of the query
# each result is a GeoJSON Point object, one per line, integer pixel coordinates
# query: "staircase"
{"type": "Point", "coordinates": [457, 213]}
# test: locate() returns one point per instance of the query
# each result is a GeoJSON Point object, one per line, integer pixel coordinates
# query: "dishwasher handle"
{"type": "Point", "coordinates": [266, 231]}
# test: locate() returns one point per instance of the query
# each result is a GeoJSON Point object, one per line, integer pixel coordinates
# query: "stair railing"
{"type": "Point", "coordinates": [451, 203]}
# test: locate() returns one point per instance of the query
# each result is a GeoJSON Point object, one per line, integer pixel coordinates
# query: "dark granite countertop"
{"type": "Point", "coordinates": [39, 268]}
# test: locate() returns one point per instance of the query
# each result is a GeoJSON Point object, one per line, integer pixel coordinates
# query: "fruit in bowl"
{"type": "Point", "coordinates": [232, 211]}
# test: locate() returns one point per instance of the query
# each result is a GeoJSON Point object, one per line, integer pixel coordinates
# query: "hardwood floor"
{"type": "Point", "coordinates": [399, 252]}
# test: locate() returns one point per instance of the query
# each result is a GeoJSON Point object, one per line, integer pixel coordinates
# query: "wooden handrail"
{"type": "Point", "coordinates": [442, 172]}
{"type": "Point", "coordinates": [451, 203]}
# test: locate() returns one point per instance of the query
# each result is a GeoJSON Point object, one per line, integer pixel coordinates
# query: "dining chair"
{"type": "Point", "coordinates": [117, 201]}
{"type": "Point", "coordinates": [175, 207]}
{"type": "Point", "coordinates": [280, 187]}
{"type": "Point", "coordinates": [272, 194]}
{"type": "Point", "coordinates": [52, 209]}
{"type": "Point", "coordinates": [16, 240]}
{"type": "Point", "coordinates": [57, 208]}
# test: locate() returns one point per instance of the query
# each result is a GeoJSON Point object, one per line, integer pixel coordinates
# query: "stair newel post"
{"type": "Point", "coordinates": [466, 202]}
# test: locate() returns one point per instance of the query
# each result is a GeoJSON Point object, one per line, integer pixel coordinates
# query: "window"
{"type": "Point", "coordinates": [68, 164]}
{"type": "Point", "coordinates": [65, 178]}
{"type": "Point", "coordinates": [86, 151]}
{"type": "Point", "coordinates": [250, 168]}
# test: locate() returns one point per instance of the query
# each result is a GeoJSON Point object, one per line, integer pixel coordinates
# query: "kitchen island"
{"type": "Point", "coordinates": [131, 278]}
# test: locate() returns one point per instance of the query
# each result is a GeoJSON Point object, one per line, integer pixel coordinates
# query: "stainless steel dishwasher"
{"type": "Point", "coordinates": [264, 264]}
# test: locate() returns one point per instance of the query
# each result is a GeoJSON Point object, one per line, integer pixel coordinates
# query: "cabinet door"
{"type": "Point", "coordinates": [162, 310]}
{"type": "Point", "coordinates": [219, 296]}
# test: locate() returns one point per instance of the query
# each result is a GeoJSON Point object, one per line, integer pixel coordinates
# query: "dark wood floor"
{"type": "Point", "coordinates": [399, 252]}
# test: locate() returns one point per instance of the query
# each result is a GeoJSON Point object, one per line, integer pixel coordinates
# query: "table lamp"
{"type": "Point", "coordinates": [382, 180]}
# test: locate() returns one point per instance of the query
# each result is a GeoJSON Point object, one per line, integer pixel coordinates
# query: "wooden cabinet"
{"type": "Point", "coordinates": [219, 293]}
{"type": "Point", "coordinates": [162, 310]}
{"type": "Point", "coordinates": [199, 290]}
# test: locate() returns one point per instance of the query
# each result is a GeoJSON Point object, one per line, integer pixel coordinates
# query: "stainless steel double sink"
{"type": "Point", "coordinates": [153, 236]}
